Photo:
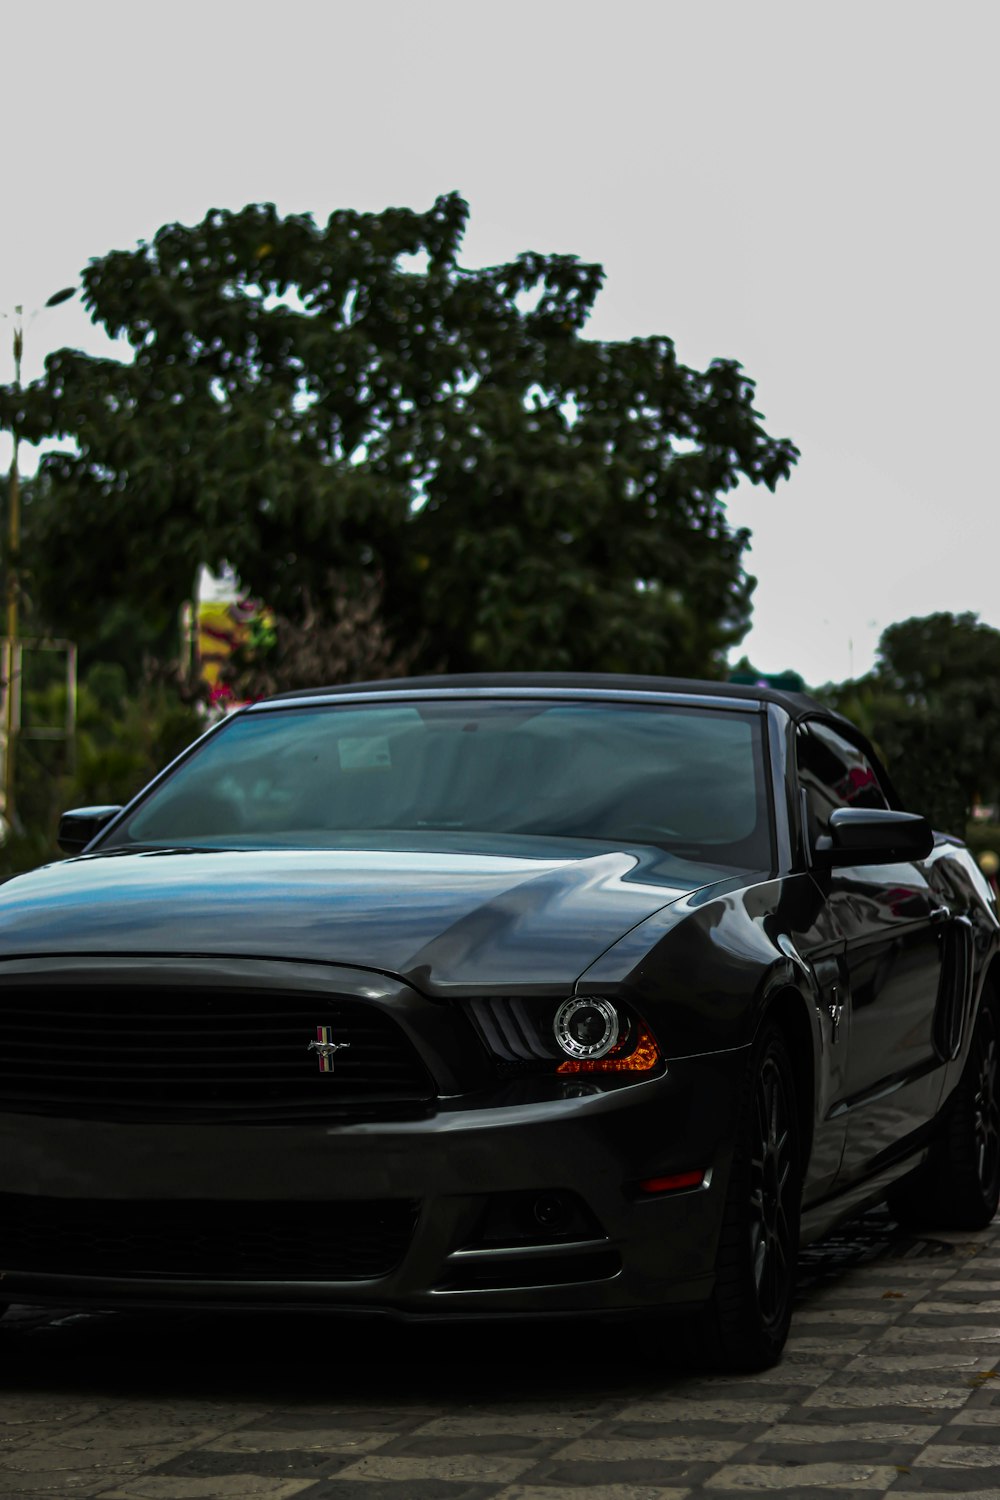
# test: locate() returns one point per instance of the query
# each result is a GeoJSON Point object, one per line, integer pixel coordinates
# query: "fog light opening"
{"type": "Point", "coordinates": [675, 1182]}
{"type": "Point", "coordinates": [551, 1213]}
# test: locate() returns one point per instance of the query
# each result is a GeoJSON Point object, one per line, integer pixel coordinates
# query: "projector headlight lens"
{"type": "Point", "coordinates": [586, 1027]}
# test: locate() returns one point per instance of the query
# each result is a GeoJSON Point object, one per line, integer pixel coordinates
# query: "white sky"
{"type": "Point", "coordinates": [808, 188]}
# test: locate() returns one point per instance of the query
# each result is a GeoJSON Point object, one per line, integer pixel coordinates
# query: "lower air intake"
{"type": "Point", "coordinates": [350, 1241]}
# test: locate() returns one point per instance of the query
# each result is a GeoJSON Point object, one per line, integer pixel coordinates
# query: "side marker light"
{"type": "Point", "coordinates": [673, 1183]}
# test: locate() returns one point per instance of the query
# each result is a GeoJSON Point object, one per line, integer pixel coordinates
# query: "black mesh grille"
{"type": "Point", "coordinates": [125, 1052]}
{"type": "Point", "coordinates": [230, 1241]}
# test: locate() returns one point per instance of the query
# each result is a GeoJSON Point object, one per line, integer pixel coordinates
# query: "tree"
{"type": "Point", "coordinates": [347, 644]}
{"type": "Point", "coordinates": [125, 733]}
{"type": "Point", "coordinates": [932, 708]}
{"type": "Point", "coordinates": [306, 399]}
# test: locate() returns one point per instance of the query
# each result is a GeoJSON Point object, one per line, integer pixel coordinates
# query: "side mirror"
{"type": "Point", "coordinates": [874, 836]}
{"type": "Point", "coordinates": [77, 828]}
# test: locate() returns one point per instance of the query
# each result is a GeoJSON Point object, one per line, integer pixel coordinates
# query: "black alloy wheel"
{"type": "Point", "coordinates": [986, 1107]}
{"type": "Point", "coordinates": [959, 1187]}
{"type": "Point", "coordinates": [745, 1325]}
{"type": "Point", "coordinates": [964, 1173]}
{"type": "Point", "coordinates": [772, 1206]}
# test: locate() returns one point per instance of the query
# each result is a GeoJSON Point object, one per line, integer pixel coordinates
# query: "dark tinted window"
{"type": "Point", "coordinates": [834, 773]}
{"type": "Point", "coordinates": [690, 781]}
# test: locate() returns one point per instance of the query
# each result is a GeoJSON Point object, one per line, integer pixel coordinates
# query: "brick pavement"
{"type": "Point", "coordinates": [888, 1386]}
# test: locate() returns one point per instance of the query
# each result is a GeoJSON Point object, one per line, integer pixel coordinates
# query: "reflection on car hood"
{"type": "Point", "coordinates": [439, 920]}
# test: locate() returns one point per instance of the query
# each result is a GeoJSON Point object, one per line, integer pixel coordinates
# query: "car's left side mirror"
{"type": "Point", "coordinates": [77, 828]}
{"type": "Point", "coordinates": [873, 836]}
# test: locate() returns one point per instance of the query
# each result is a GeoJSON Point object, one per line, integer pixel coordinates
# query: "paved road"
{"type": "Point", "coordinates": [888, 1386]}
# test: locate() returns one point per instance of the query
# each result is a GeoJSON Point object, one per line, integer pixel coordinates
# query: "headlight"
{"type": "Point", "coordinates": [586, 1028]}
{"type": "Point", "coordinates": [582, 1034]}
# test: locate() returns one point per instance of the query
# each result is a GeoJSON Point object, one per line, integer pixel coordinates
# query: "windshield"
{"type": "Point", "coordinates": [687, 780]}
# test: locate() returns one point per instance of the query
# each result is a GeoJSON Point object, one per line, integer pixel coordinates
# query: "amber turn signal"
{"type": "Point", "coordinates": [643, 1057]}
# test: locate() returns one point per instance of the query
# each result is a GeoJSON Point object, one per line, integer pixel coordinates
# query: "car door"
{"type": "Point", "coordinates": [893, 924]}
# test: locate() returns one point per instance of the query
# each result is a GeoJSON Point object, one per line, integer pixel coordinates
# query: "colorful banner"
{"type": "Point", "coordinates": [224, 617]}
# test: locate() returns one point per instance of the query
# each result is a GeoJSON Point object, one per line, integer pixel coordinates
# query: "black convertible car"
{"type": "Point", "coordinates": [481, 996]}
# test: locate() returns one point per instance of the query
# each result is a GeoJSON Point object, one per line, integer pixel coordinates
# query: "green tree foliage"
{"type": "Point", "coordinates": [124, 735]}
{"type": "Point", "coordinates": [787, 681]}
{"type": "Point", "coordinates": [347, 644]}
{"type": "Point", "coordinates": [346, 397]}
{"type": "Point", "coordinates": [110, 625]}
{"type": "Point", "coordinates": [933, 709]}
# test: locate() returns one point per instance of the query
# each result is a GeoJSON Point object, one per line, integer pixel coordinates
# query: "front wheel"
{"type": "Point", "coordinates": [746, 1323]}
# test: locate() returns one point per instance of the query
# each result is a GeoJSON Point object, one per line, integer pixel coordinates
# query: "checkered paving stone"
{"type": "Point", "coordinates": [889, 1386]}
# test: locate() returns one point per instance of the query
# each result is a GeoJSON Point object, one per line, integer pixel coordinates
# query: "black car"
{"type": "Point", "coordinates": [482, 996]}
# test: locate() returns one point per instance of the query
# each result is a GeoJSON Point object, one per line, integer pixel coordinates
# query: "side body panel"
{"type": "Point", "coordinates": [858, 954]}
{"type": "Point", "coordinates": [893, 923]}
{"type": "Point", "coordinates": [707, 968]}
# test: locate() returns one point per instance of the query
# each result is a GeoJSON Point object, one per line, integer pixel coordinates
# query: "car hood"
{"type": "Point", "coordinates": [440, 921]}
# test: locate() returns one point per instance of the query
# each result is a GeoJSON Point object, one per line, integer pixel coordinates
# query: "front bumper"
{"type": "Point", "coordinates": [566, 1136]}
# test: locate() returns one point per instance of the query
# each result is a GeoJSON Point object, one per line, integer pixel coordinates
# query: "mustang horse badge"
{"type": "Point", "coordinates": [324, 1047]}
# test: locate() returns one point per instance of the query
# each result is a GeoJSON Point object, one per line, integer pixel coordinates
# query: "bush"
{"type": "Point", "coordinates": [122, 740]}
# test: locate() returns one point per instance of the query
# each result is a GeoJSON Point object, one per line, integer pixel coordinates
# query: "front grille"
{"type": "Point", "coordinates": [164, 1053]}
{"type": "Point", "coordinates": [206, 1239]}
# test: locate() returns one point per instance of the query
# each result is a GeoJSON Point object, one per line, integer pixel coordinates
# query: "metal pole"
{"type": "Point", "coordinates": [13, 547]}
{"type": "Point", "coordinates": [71, 707]}
{"type": "Point", "coordinates": [12, 697]}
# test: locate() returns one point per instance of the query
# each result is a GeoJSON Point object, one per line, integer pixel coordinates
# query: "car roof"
{"type": "Point", "coordinates": [796, 705]}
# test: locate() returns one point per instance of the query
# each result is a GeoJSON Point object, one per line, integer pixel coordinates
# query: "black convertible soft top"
{"type": "Point", "coordinates": [796, 705]}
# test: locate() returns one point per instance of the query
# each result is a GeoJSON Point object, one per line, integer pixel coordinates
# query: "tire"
{"type": "Point", "coordinates": [959, 1187]}
{"type": "Point", "coordinates": [745, 1325]}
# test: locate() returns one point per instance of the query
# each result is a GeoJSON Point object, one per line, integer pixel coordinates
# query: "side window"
{"type": "Point", "coordinates": [833, 773]}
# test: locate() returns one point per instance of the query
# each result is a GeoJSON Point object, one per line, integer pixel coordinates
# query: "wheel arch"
{"type": "Point", "coordinates": [989, 988]}
{"type": "Point", "coordinates": [788, 1009]}
{"type": "Point", "coordinates": [984, 989]}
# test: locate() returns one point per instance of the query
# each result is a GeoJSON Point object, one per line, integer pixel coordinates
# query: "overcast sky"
{"type": "Point", "coordinates": [808, 188]}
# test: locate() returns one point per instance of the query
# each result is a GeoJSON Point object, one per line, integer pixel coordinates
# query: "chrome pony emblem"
{"type": "Point", "coordinates": [324, 1047]}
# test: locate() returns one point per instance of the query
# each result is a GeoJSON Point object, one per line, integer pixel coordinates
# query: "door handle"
{"type": "Point", "coordinates": [940, 914]}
